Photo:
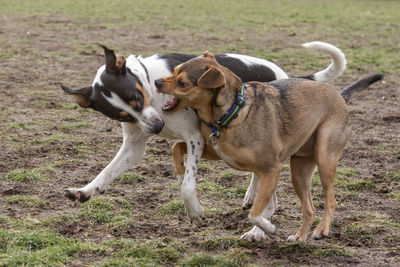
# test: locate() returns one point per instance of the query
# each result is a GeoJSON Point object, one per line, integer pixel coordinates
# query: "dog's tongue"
{"type": "Point", "coordinates": [170, 105]}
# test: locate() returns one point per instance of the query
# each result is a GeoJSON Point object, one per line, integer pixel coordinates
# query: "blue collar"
{"type": "Point", "coordinates": [230, 115]}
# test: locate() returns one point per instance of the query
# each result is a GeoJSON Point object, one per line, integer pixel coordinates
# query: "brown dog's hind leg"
{"type": "Point", "coordinates": [178, 151]}
{"type": "Point", "coordinates": [329, 145]}
{"type": "Point", "coordinates": [301, 169]}
{"type": "Point", "coordinates": [266, 187]}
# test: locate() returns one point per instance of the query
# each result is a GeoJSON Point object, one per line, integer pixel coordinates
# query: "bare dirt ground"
{"type": "Point", "coordinates": [42, 132]}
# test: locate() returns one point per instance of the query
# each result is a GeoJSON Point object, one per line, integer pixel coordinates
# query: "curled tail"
{"type": "Point", "coordinates": [359, 85]}
{"type": "Point", "coordinates": [335, 69]}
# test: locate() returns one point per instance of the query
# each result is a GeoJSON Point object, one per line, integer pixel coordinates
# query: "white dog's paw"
{"type": "Point", "coordinates": [77, 194]}
{"type": "Point", "coordinates": [196, 214]}
{"type": "Point", "coordinates": [254, 235]}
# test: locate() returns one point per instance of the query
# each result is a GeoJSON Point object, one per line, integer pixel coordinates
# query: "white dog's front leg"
{"type": "Point", "coordinates": [256, 233]}
{"type": "Point", "coordinates": [250, 193]}
{"type": "Point", "coordinates": [195, 145]}
{"type": "Point", "coordinates": [131, 151]}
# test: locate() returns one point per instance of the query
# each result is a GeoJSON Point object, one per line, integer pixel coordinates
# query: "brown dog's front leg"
{"type": "Point", "coordinates": [267, 182]}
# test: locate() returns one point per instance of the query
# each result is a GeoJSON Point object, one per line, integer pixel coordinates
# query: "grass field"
{"type": "Point", "coordinates": [48, 143]}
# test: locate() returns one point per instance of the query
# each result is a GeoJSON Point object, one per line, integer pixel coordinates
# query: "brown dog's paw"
{"type": "Point", "coordinates": [254, 235]}
{"type": "Point", "coordinates": [75, 194]}
{"type": "Point", "coordinates": [297, 238]}
{"type": "Point", "coordinates": [319, 234]}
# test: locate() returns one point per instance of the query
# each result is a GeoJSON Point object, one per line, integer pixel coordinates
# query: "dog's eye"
{"type": "Point", "coordinates": [181, 84]}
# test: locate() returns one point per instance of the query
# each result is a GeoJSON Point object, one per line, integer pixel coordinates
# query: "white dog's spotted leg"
{"type": "Point", "coordinates": [257, 234]}
{"type": "Point", "coordinates": [131, 151]}
{"type": "Point", "coordinates": [195, 147]}
{"type": "Point", "coordinates": [250, 193]}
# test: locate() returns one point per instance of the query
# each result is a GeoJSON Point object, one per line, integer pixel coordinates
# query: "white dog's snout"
{"type": "Point", "coordinates": [153, 120]}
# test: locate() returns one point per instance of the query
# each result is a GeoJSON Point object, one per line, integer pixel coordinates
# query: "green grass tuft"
{"type": "Point", "coordinates": [216, 190]}
{"type": "Point", "coordinates": [394, 195]}
{"type": "Point", "coordinates": [26, 201]}
{"type": "Point", "coordinates": [298, 248]}
{"type": "Point", "coordinates": [223, 243]}
{"type": "Point", "coordinates": [39, 248]}
{"type": "Point", "coordinates": [97, 211]}
{"type": "Point", "coordinates": [393, 175]}
{"type": "Point", "coordinates": [359, 231]}
{"type": "Point", "coordinates": [76, 125]}
{"type": "Point", "coordinates": [26, 175]}
{"type": "Point", "coordinates": [52, 138]}
{"type": "Point", "coordinates": [173, 207]}
{"type": "Point", "coordinates": [149, 253]}
{"type": "Point", "coordinates": [333, 252]}
{"type": "Point", "coordinates": [130, 178]}
{"type": "Point", "coordinates": [234, 257]}
{"type": "Point", "coordinates": [227, 175]}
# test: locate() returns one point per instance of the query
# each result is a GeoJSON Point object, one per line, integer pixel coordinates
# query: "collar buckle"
{"type": "Point", "coordinates": [212, 139]}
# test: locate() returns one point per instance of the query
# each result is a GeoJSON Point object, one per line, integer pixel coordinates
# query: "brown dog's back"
{"type": "Point", "coordinates": [284, 114]}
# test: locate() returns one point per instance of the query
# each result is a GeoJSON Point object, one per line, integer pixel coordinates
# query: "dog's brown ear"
{"type": "Point", "coordinates": [81, 95]}
{"type": "Point", "coordinates": [115, 64]}
{"type": "Point", "coordinates": [213, 78]}
{"type": "Point", "coordinates": [208, 54]}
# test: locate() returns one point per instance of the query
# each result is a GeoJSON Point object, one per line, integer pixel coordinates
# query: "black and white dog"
{"type": "Point", "coordinates": [124, 90]}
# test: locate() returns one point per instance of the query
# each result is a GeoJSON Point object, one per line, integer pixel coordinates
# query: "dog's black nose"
{"type": "Point", "coordinates": [158, 126]}
{"type": "Point", "coordinates": [158, 83]}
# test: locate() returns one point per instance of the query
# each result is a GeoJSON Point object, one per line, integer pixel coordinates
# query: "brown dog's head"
{"type": "Point", "coordinates": [194, 83]}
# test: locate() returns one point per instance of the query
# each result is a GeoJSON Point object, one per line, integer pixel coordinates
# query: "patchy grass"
{"type": "Point", "coordinates": [39, 247]}
{"type": "Point", "coordinates": [52, 139]}
{"type": "Point", "coordinates": [130, 178]}
{"type": "Point", "coordinates": [26, 175]}
{"type": "Point", "coordinates": [205, 166]}
{"type": "Point", "coordinates": [228, 175]}
{"type": "Point", "coordinates": [26, 201]}
{"type": "Point", "coordinates": [172, 208]}
{"type": "Point", "coordinates": [216, 190]}
{"type": "Point", "coordinates": [224, 243]}
{"type": "Point", "coordinates": [297, 248]}
{"type": "Point", "coordinates": [145, 253]}
{"type": "Point", "coordinates": [97, 211]}
{"type": "Point", "coordinates": [332, 252]}
{"type": "Point", "coordinates": [394, 195]}
{"type": "Point", "coordinates": [395, 175]}
{"type": "Point", "coordinates": [76, 125]}
{"type": "Point", "coordinates": [18, 125]}
{"type": "Point", "coordinates": [359, 232]}
{"type": "Point", "coordinates": [234, 257]}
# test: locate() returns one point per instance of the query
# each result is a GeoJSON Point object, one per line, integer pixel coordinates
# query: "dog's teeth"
{"type": "Point", "coordinates": [171, 104]}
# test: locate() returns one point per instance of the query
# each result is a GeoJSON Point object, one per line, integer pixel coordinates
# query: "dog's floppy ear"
{"type": "Point", "coordinates": [213, 78]}
{"type": "Point", "coordinates": [81, 95]}
{"type": "Point", "coordinates": [209, 55]}
{"type": "Point", "coordinates": [115, 64]}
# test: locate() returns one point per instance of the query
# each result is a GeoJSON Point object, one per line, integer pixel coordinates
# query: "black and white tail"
{"type": "Point", "coordinates": [360, 85]}
{"type": "Point", "coordinates": [335, 69]}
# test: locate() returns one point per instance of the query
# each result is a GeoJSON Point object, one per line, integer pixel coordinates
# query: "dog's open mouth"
{"type": "Point", "coordinates": [171, 104]}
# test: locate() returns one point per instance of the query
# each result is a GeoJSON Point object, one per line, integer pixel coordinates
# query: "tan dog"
{"type": "Point", "coordinates": [296, 118]}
